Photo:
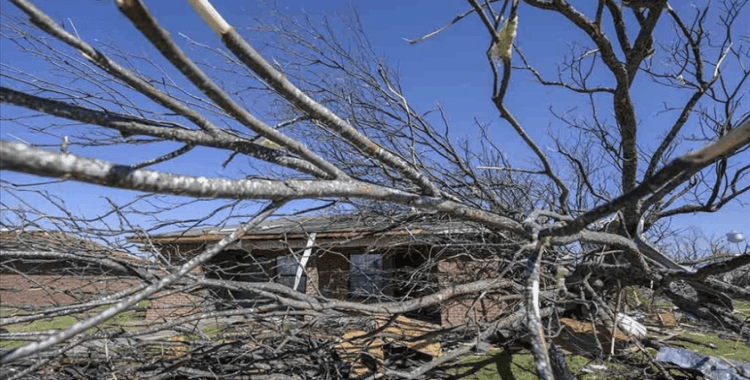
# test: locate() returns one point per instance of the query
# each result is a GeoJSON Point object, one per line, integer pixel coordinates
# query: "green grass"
{"type": "Point", "coordinates": [57, 323]}
{"type": "Point", "coordinates": [662, 306]}
{"type": "Point", "coordinates": [6, 312]}
{"type": "Point", "coordinates": [632, 293]}
{"type": "Point", "coordinates": [500, 364]}
{"type": "Point", "coordinates": [212, 331]}
{"type": "Point", "coordinates": [726, 348]}
{"type": "Point", "coordinates": [124, 320]}
{"type": "Point", "coordinates": [743, 308]}
{"type": "Point", "coordinates": [519, 365]}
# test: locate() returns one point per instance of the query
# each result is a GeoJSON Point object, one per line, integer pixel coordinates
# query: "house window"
{"type": "Point", "coordinates": [254, 269]}
{"type": "Point", "coordinates": [286, 267]}
{"type": "Point", "coordinates": [251, 269]}
{"type": "Point", "coordinates": [366, 274]}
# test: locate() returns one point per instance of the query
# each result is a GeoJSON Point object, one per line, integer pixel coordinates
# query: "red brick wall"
{"type": "Point", "coordinates": [332, 274]}
{"type": "Point", "coordinates": [173, 305]}
{"type": "Point", "coordinates": [169, 304]}
{"type": "Point", "coordinates": [312, 280]}
{"type": "Point", "coordinates": [470, 308]}
{"type": "Point", "coordinates": [55, 290]}
{"type": "Point", "coordinates": [328, 272]}
{"type": "Point", "coordinates": [462, 311]}
{"type": "Point", "coordinates": [50, 290]}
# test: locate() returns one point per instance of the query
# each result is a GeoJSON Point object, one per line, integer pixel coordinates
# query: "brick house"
{"type": "Point", "coordinates": [31, 281]}
{"type": "Point", "coordinates": [28, 280]}
{"type": "Point", "coordinates": [356, 256]}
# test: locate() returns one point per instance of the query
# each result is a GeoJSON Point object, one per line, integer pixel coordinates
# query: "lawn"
{"type": "Point", "coordinates": [519, 365]}
{"type": "Point", "coordinates": [128, 320]}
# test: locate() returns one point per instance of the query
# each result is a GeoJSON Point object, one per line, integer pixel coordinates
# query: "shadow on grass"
{"type": "Point", "coordinates": [498, 364]}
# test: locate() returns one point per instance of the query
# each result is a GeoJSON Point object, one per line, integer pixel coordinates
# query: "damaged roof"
{"type": "Point", "coordinates": [56, 242]}
{"type": "Point", "coordinates": [327, 226]}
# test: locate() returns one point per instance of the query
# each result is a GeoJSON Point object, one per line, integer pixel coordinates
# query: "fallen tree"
{"type": "Point", "coordinates": [344, 134]}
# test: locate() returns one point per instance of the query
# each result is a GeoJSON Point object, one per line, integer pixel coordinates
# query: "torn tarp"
{"type": "Point", "coordinates": [713, 367]}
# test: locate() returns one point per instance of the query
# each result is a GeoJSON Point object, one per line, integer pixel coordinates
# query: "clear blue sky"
{"type": "Point", "coordinates": [449, 69]}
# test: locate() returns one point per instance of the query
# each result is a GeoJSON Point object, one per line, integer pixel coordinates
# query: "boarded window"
{"type": "Point", "coordinates": [367, 274]}
{"type": "Point", "coordinates": [286, 267]}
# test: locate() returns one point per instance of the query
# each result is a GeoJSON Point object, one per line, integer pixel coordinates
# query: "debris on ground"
{"type": "Point", "coordinates": [365, 353]}
{"type": "Point", "coordinates": [630, 326]}
{"type": "Point", "coordinates": [713, 367]}
{"type": "Point", "coordinates": [578, 337]}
